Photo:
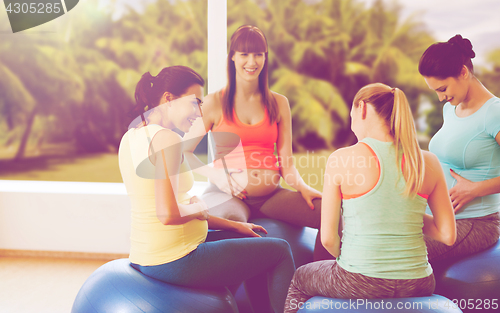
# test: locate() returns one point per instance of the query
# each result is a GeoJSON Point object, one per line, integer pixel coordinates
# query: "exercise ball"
{"type": "Point", "coordinates": [431, 304]}
{"type": "Point", "coordinates": [117, 287]}
{"type": "Point", "coordinates": [473, 282]}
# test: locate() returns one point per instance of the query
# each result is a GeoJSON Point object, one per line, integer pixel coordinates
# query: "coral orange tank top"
{"type": "Point", "coordinates": [256, 149]}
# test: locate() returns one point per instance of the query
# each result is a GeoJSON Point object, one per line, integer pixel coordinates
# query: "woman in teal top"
{"type": "Point", "coordinates": [467, 145]}
{"type": "Point", "coordinates": [381, 186]}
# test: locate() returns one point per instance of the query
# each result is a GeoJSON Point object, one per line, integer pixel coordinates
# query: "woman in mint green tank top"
{"type": "Point", "coordinates": [381, 186]}
{"type": "Point", "coordinates": [467, 145]}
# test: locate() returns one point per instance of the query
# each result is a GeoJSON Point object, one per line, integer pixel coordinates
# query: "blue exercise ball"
{"type": "Point", "coordinates": [431, 304]}
{"type": "Point", "coordinates": [472, 282]}
{"type": "Point", "coordinates": [118, 287]}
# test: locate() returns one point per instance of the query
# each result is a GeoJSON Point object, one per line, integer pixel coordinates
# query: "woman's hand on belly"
{"type": "Point", "coordinates": [463, 192]}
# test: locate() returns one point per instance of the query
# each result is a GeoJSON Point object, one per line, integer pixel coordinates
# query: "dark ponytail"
{"type": "Point", "coordinates": [174, 79]}
{"type": "Point", "coordinates": [142, 92]}
{"type": "Point", "coordinates": [446, 59]}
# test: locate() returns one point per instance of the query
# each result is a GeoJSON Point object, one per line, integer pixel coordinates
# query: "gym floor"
{"type": "Point", "coordinates": [42, 284]}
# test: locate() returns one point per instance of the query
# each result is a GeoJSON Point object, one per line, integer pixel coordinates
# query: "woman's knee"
{"type": "Point", "coordinates": [224, 206]}
{"type": "Point", "coordinates": [317, 204]}
{"type": "Point", "coordinates": [229, 212]}
{"type": "Point", "coordinates": [301, 272]}
{"type": "Point", "coordinates": [283, 244]}
{"type": "Point", "coordinates": [302, 275]}
{"type": "Point", "coordinates": [280, 247]}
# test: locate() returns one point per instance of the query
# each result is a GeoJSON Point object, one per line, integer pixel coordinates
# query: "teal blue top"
{"type": "Point", "coordinates": [467, 146]}
{"type": "Point", "coordinates": [382, 234]}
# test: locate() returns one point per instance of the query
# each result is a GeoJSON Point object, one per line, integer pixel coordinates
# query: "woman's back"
{"type": "Point", "coordinates": [383, 228]}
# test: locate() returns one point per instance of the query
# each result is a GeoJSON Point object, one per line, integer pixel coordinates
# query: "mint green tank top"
{"type": "Point", "coordinates": [382, 235]}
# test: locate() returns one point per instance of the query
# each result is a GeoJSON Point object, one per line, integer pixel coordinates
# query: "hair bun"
{"type": "Point", "coordinates": [463, 44]}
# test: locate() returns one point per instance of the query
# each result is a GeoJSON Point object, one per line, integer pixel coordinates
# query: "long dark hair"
{"type": "Point", "coordinates": [248, 38]}
{"type": "Point", "coordinates": [446, 59]}
{"type": "Point", "coordinates": [392, 105]}
{"type": "Point", "coordinates": [174, 79]}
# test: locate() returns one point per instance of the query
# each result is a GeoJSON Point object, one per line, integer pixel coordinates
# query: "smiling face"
{"type": "Point", "coordinates": [247, 57]}
{"type": "Point", "coordinates": [248, 65]}
{"type": "Point", "coordinates": [185, 109]}
{"type": "Point", "coordinates": [451, 89]}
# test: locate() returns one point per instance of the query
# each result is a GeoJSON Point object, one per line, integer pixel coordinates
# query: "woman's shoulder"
{"type": "Point", "coordinates": [430, 158]}
{"type": "Point", "coordinates": [143, 133]}
{"type": "Point", "coordinates": [346, 153]}
{"type": "Point", "coordinates": [212, 106]}
{"type": "Point", "coordinates": [166, 141]}
{"type": "Point", "coordinates": [433, 172]}
{"type": "Point", "coordinates": [495, 100]}
{"type": "Point", "coordinates": [283, 106]}
{"type": "Point", "coordinates": [168, 134]}
{"type": "Point", "coordinates": [165, 138]}
{"type": "Point", "coordinates": [493, 105]}
{"type": "Point", "coordinates": [431, 163]}
{"type": "Point", "coordinates": [213, 100]}
{"type": "Point", "coordinates": [356, 149]}
{"type": "Point", "coordinates": [280, 99]}
{"type": "Point", "coordinates": [492, 118]}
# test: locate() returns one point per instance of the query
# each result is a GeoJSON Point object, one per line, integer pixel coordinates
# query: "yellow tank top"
{"type": "Point", "coordinates": [153, 243]}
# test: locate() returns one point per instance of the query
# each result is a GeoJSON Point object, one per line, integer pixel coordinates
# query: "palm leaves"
{"type": "Point", "coordinates": [491, 77]}
{"type": "Point", "coordinates": [317, 106]}
{"type": "Point", "coordinates": [321, 53]}
{"type": "Point", "coordinates": [82, 78]}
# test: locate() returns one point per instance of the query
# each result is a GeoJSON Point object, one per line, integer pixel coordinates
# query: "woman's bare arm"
{"type": "Point", "coordinates": [330, 208]}
{"type": "Point", "coordinates": [285, 156]}
{"type": "Point", "coordinates": [167, 159]}
{"type": "Point", "coordinates": [441, 225]}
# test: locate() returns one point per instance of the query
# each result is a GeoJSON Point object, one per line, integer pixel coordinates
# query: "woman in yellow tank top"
{"type": "Point", "coordinates": [169, 238]}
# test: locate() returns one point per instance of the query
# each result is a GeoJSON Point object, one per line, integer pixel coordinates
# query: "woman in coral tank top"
{"type": "Point", "coordinates": [245, 179]}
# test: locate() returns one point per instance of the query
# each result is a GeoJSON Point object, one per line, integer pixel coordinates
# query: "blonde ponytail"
{"type": "Point", "coordinates": [405, 137]}
{"type": "Point", "coordinates": [391, 105]}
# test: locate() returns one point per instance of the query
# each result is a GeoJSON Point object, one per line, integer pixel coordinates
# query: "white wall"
{"type": "Point", "coordinates": [66, 216]}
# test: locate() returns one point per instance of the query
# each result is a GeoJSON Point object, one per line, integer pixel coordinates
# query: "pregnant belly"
{"type": "Point", "coordinates": [257, 182]}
